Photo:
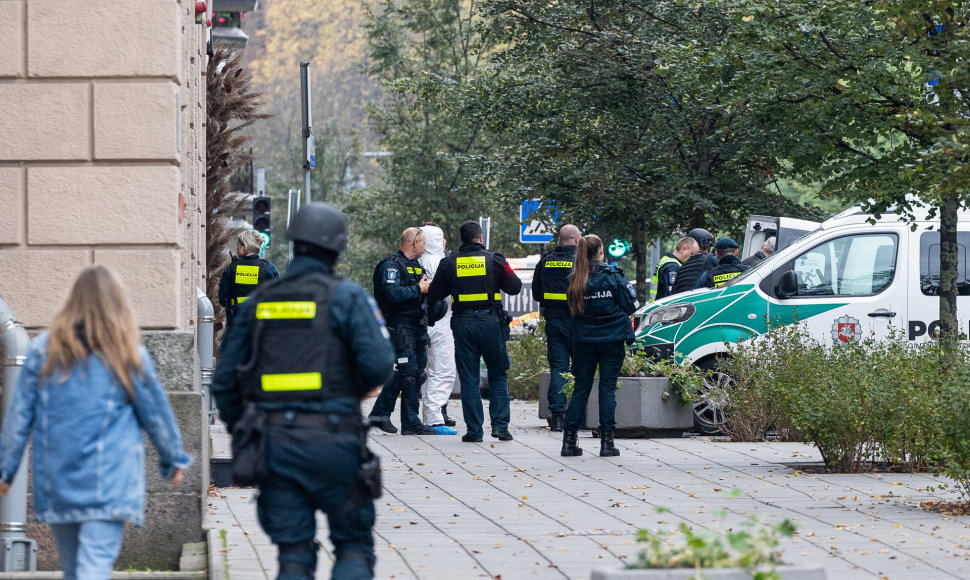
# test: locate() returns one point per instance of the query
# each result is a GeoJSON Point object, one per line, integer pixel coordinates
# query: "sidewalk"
{"type": "Point", "coordinates": [454, 510]}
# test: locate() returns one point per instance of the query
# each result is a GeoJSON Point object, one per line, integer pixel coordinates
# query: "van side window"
{"type": "Point", "coordinates": [929, 263]}
{"type": "Point", "coordinates": [859, 265]}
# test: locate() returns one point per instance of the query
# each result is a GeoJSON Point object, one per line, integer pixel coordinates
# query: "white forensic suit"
{"type": "Point", "coordinates": [441, 351]}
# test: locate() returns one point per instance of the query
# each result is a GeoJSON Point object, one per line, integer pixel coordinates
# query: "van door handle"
{"type": "Point", "coordinates": [883, 313]}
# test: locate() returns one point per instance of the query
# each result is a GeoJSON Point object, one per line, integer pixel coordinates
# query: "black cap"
{"type": "Point", "coordinates": [725, 243]}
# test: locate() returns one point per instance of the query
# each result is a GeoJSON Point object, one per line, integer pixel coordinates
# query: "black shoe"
{"type": "Point", "coordinates": [607, 447]}
{"type": "Point", "coordinates": [502, 435]}
{"type": "Point", "coordinates": [383, 423]}
{"type": "Point", "coordinates": [471, 439]}
{"type": "Point", "coordinates": [570, 445]}
{"type": "Point", "coordinates": [448, 420]}
{"type": "Point", "coordinates": [419, 430]}
{"type": "Point", "coordinates": [556, 421]}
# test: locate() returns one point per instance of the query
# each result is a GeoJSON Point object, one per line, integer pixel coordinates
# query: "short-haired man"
{"type": "Point", "coordinates": [690, 271]}
{"type": "Point", "coordinates": [665, 276]}
{"type": "Point", "coordinates": [475, 278]}
{"type": "Point", "coordinates": [728, 266]}
{"type": "Point", "coordinates": [549, 283]}
{"type": "Point", "coordinates": [400, 288]}
{"type": "Point", "coordinates": [767, 249]}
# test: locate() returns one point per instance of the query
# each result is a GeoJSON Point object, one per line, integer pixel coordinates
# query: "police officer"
{"type": "Point", "coordinates": [475, 278]}
{"type": "Point", "coordinates": [549, 283]}
{"type": "Point", "coordinates": [728, 266]}
{"type": "Point", "coordinates": [697, 264]}
{"type": "Point", "coordinates": [246, 271]}
{"type": "Point", "coordinates": [601, 301]}
{"type": "Point", "coordinates": [665, 276]}
{"type": "Point", "coordinates": [401, 288]}
{"type": "Point", "coordinates": [302, 353]}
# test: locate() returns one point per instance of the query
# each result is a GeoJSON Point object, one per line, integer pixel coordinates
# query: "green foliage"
{"type": "Point", "coordinates": [950, 422]}
{"type": "Point", "coordinates": [527, 353]}
{"type": "Point", "coordinates": [859, 403]}
{"type": "Point", "coordinates": [752, 547]}
{"type": "Point", "coordinates": [684, 379]}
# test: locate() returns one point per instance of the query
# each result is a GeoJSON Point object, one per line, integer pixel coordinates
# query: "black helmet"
{"type": "Point", "coordinates": [319, 224]}
{"type": "Point", "coordinates": [703, 237]}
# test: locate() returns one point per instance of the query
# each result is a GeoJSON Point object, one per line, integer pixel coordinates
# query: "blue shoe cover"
{"type": "Point", "coordinates": [444, 430]}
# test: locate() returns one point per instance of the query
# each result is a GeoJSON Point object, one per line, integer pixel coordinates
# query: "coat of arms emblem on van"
{"type": "Point", "coordinates": [846, 329]}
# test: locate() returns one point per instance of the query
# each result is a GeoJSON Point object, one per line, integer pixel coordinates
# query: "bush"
{"type": "Point", "coordinates": [862, 402]}
{"type": "Point", "coordinates": [752, 547]}
{"type": "Point", "coordinates": [527, 354]}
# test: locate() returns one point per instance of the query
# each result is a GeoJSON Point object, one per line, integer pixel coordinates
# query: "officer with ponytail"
{"type": "Point", "coordinates": [245, 272]}
{"type": "Point", "coordinates": [601, 301]}
{"type": "Point", "coordinates": [294, 366]}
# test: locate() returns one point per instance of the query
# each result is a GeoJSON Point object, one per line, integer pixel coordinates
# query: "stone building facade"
{"type": "Point", "coordinates": [102, 161]}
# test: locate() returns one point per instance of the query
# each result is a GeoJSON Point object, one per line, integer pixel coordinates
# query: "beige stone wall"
{"type": "Point", "coordinates": [102, 159]}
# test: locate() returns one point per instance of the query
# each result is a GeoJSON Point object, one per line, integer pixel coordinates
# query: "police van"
{"type": "Point", "coordinates": [854, 276]}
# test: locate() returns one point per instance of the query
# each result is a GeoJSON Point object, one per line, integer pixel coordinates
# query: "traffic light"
{"type": "Point", "coordinates": [261, 215]}
{"type": "Point", "coordinates": [618, 248]}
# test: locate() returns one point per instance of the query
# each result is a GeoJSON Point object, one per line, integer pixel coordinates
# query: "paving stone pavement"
{"type": "Point", "coordinates": [454, 510]}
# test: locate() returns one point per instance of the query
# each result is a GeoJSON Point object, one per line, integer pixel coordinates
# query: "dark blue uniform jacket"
{"type": "Point", "coordinates": [354, 318]}
{"type": "Point", "coordinates": [610, 300]}
{"type": "Point", "coordinates": [504, 278]}
{"type": "Point", "coordinates": [399, 279]}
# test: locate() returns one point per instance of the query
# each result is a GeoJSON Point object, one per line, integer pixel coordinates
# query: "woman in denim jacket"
{"type": "Point", "coordinates": [85, 393]}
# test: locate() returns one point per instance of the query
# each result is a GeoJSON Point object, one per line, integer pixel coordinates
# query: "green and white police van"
{"type": "Point", "coordinates": [846, 279]}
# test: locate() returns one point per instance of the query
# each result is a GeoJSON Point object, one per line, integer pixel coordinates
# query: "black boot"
{"type": "Point", "coordinates": [448, 420]}
{"type": "Point", "coordinates": [570, 448]}
{"type": "Point", "coordinates": [607, 448]}
{"type": "Point", "coordinates": [556, 421]}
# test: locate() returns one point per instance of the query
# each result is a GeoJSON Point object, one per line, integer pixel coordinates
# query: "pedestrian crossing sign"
{"type": "Point", "coordinates": [533, 231]}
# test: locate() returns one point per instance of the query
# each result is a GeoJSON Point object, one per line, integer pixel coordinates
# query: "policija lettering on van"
{"type": "Point", "coordinates": [918, 328]}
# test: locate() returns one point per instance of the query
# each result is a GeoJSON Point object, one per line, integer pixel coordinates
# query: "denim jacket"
{"type": "Point", "coordinates": [88, 450]}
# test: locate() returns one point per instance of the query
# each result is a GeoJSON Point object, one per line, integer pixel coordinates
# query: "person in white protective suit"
{"type": "Point", "coordinates": [441, 350]}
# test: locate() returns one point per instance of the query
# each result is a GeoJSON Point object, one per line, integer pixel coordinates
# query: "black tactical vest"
{"type": "Point", "coordinates": [472, 287]}
{"type": "Point", "coordinates": [244, 276]}
{"type": "Point", "coordinates": [556, 266]}
{"type": "Point", "coordinates": [725, 272]}
{"type": "Point", "coordinates": [295, 355]}
{"type": "Point", "coordinates": [689, 273]}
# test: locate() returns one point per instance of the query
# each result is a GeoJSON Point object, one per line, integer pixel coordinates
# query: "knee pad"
{"type": "Point", "coordinates": [298, 560]}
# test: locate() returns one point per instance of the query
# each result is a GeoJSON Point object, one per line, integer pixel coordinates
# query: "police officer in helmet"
{"type": "Point", "coordinates": [549, 284]}
{"type": "Point", "coordinates": [302, 353]}
{"type": "Point", "coordinates": [475, 278]}
{"type": "Point", "coordinates": [697, 264]}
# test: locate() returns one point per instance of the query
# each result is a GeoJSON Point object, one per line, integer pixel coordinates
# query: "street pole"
{"type": "Point", "coordinates": [309, 156]}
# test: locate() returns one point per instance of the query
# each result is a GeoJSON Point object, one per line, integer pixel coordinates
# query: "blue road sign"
{"type": "Point", "coordinates": [532, 230]}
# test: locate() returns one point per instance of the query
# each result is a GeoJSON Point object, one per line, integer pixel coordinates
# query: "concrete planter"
{"type": "Point", "coordinates": [786, 572]}
{"type": "Point", "coordinates": [640, 407]}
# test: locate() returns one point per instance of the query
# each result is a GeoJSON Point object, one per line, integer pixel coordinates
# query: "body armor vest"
{"type": "Point", "coordinates": [655, 281]}
{"type": "Point", "coordinates": [295, 355]}
{"type": "Point", "coordinates": [472, 287]}
{"type": "Point", "coordinates": [689, 273]}
{"type": "Point", "coordinates": [244, 276]}
{"type": "Point", "coordinates": [725, 272]}
{"type": "Point", "coordinates": [556, 266]}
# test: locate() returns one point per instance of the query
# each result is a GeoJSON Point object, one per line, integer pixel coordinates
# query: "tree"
{"type": "Point", "coordinates": [426, 53]}
{"type": "Point", "coordinates": [617, 113]}
{"type": "Point", "coordinates": [868, 98]}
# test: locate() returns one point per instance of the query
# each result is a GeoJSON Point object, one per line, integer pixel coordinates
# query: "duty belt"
{"type": "Point", "coordinates": [350, 425]}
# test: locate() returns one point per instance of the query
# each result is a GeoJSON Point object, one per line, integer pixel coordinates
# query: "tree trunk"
{"type": "Point", "coordinates": [640, 248]}
{"type": "Point", "coordinates": [949, 329]}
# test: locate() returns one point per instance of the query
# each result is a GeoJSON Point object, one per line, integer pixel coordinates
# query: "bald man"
{"type": "Point", "coordinates": [401, 290]}
{"type": "Point", "coordinates": [549, 284]}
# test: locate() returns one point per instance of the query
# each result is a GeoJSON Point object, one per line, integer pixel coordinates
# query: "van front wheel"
{"type": "Point", "coordinates": [709, 418]}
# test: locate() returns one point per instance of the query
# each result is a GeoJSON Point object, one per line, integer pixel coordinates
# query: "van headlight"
{"type": "Point", "coordinates": [670, 314]}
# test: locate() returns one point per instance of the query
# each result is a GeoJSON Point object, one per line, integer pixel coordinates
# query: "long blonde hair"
{"type": "Point", "coordinates": [95, 319]}
{"type": "Point", "coordinates": [586, 249]}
